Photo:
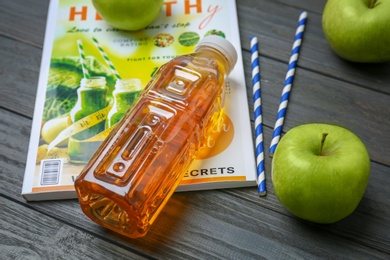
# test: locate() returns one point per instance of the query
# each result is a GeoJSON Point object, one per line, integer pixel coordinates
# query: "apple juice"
{"type": "Point", "coordinates": [132, 175]}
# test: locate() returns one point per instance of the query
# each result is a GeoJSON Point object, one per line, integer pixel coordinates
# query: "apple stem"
{"type": "Point", "coordinates": [372, 4]}
{"type": "Point", "coordinates": [324, 135]}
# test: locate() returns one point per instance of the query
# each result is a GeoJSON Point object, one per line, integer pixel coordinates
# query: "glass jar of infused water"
{"type": "Point", "coordinates": [91, 97]}
{"type": "Point", "coordinates": [125, 93]}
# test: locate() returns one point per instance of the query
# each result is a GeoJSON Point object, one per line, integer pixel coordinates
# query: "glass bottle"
{"type": "Point", "coordinates": [125, 93]}
{"type": "Point", "coordinates": [138, 167]}
{"type": "Point", "coordinates": [91, 97]}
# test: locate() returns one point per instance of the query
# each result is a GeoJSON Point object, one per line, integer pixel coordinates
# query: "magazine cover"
{"type": "Point", "coordinates": [91, 73]}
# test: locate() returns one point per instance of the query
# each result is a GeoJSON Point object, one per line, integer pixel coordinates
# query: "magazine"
{"type": "Point", "coordinates": [80, 48]}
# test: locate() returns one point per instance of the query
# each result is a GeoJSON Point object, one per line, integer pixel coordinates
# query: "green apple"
{"type": "Point", "coordinates": [129, 15]}
{"type": "Point", "coordinates": [358, 30]}
{"type": "Point", "coordinates": [320, 172]}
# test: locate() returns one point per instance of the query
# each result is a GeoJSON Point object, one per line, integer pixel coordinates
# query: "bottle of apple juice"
{"type": "Point", "coordinates": [132, 175]}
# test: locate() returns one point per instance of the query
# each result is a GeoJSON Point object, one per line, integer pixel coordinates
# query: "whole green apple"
{"type": "Point", "coordinates": [358, 30]}
{"type": "Point", "coordinates": [320, 172]}
{"type": "Point", "coordinates": [129, 15]}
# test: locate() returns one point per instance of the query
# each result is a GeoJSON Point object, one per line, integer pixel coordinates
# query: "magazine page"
{"type": "Point", "coordinates": [91, 73]}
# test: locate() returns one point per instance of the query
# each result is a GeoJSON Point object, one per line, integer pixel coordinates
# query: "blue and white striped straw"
{"type": "Point", "coordinates": [288, 83]}
{"type": "Point", "coordinates": [261, 188]}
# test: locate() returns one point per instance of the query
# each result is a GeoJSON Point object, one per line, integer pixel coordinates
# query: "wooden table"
{"type": "Point", "coordinates": [225, 224]}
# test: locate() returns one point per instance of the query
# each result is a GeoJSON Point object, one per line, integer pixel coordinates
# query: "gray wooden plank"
{"type": "Point", "coordinates": [274, 24]}
{"type": "Point", "coordinates": [231, 223]}
{"type": "Point", "coordinates": [24, 20]}
{"type": "Point", "coordinates": [315, 6]}
{"type": "Point", "coordinates": [28, 234]}
{"type": "Point", "coordinates": [19, 72]}
{"type": "Point", "coordinates": [367, 225]}
{"type": "Point", "coordinates": [220, 223]}
{"type": "Point", "coordinates": [316, 98]}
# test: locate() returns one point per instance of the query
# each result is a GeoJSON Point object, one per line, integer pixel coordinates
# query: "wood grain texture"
{"type": "Point", "coordinates": [19, 74]}
{"type": "Point", "coordinates": [26, 234]}
{"type": "Point", "coordinates": [234, 223]}
{"type": "Point", "coordinates": [24, 21]}
{"type": "Point", "coordinates": [217, 224]}
{"type": "Point", "coordinates": [274, 25]}
{"type": "Point", "coordinates": [316, 98]}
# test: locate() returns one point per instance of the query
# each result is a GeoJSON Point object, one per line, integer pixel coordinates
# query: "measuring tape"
{"type": "Point", "coordinates": [52, 152]}
{"type": "Point", "coordinates": [81, 125]}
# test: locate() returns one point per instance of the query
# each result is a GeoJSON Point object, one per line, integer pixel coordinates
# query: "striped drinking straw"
{"type": "Point", "coordinates": [261, 188]}
{"type": "Point", "coordinates": [288, 83]}
{"type": "Point", "coordinates": [82, 59]}
{"type": "Point", "coordinates": [106, 59]}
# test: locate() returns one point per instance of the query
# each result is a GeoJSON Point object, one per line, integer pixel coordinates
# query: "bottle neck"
{"type": "Point", "coordinates": [215, 54]}
{"type": "Point", "coordinates": [129, 84]}
{"type": "Point", "coordinates": [93, 83]}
